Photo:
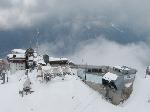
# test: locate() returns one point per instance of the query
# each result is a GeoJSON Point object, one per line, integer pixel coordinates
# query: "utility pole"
{"type": "Point", "coordinates": [85, 72]}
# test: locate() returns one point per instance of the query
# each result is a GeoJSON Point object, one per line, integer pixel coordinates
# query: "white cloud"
{"type": "Point", "coordinates": [25, 13]}
{"type": "Point", "coordinates": [19, 14]}
{"type": "Point", "coordinates": [105, 52]}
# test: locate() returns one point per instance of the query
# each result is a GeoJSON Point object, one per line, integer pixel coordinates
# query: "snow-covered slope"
{"type": "Point", "coordinates": [69, 95]}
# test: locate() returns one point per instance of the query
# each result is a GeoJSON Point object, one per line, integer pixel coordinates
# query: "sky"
{"type": "Point", "coordinates": [28, 13]}
{"type": "Point", "coordinates": [74, 27]}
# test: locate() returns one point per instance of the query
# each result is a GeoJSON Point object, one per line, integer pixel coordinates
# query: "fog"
{"type": "Point", "coordinates": [101, 51]}
{"type": "Point", "coordinates": [105, 52]}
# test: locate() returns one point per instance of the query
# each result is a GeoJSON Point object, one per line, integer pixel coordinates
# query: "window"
{"type": "Point", "coordinates": [100, 70]}
{"type": "Point", "coordinates": [89, 70]}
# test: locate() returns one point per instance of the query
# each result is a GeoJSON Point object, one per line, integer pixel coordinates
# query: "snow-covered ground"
{"type": "Point", "coordinates": [69, 95]}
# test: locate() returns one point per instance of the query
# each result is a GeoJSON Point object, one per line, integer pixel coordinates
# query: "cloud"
{"type": "Point", "coordinates": [26, 13]}
{"type": "Point", "coordinates": [76, 25]}
{"type": "Point", "coordinates": [16, 13]}
{"type": "Point", "coordinates": [69, 22]}
{"type": "Point", "coordinates": [101, 51]}
{"type": "Point", "coordinates": [105, 52]}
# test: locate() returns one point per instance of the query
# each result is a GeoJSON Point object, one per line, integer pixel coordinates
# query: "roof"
{"type": "Point", "coordinates": [16, 56]}
{"type": "Point", "coordinates": [41, 62]}
{"type": "Point", "coordinates": [18, 51]}
{"type": "Point", "coordinates": [110, 76]}
{"type": "Point", "coordinates": [57, 59]}
{"type": "Point", "coordinates": [122, 67]}
{"type": "Point", "coordinates": [124, 70]}
{"type": "Point", "coordinates": [46, 67]}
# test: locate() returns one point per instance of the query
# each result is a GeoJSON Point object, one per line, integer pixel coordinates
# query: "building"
{"type": "Point", "coordinates": [148, 70]}
{"type": "Point", "coordinates": [114, 83]}
{"type": "Point", "coordinates": [46, 58]}
{"type": "Point", "coordinates": [91, 73]}
{"type": "Point", "coordinates": [58, 61]}
{"type": "Point", "coordinates": [30, 55]}
{"type": "Point", "coordinates": [119, 76]}
{"type": "Point", "coordinates": [122, 70]}
{"type": "Point", "coordinates": [16, 60]}
{"type": "Point", "coordinates": [3, 65]}
{"type": "Point", "coordinates": [119, 83]}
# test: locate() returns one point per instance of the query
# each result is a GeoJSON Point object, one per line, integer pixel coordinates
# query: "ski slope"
{"type": "Point", "coordinates": [69, 95]}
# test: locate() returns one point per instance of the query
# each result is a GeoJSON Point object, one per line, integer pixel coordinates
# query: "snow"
{"type": "Point", "coordinates": [67, 69]}
{"type": "Point", "coordinates": [57, 59]}
{"type": "Point", "coordinates": [41, 62]}
{"type": "Point", "coordinates": [46, 69]}
{"type": "Point", "coordinates": [128, 85]}
{"type": "Point", "coordinates": [118, 67]}
{"type": "Point", "coordinates": [57, 70]}
{"type": "Point", "coordinates": [26, 83]}
{"type": "Point", "coordinates": [17, 55]}
{"type": "Point", "coordinates": [122, 68]}
{"type": "Point", "coordinates": [69, 95]}
{"type": "Point", "coordinates": [18, 51]}
{"type": "Point", "coordinates": [31, 58]}
{"type": "Point", "coordinates": [110, 76]}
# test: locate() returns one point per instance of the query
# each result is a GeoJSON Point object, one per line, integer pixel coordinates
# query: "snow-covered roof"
{"type": "Point", "coordinates": [35, 54]}
{"type": "Point", "coordinates": [118, 67]}
{"type": "Point", "coordinates": [16, 55]}
{"type": "Point", "coordinates": [46, 67]}
{"type": "Point", "coordinates": [57, 59]}
{"type": "Point", "coordinates": [122, 67]}
{"type": "Point", "coordinates": [41, 62]}
{"type": "Point", "coordinates": [31, 58]}
{"type": "Point", "coordinates": [110, 76]}
{"type": "Point", "coordinates": [18, 51]}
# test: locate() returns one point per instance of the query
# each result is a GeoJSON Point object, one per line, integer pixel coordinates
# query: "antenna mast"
{"type": "Point", "coordinates": [37, 41]}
